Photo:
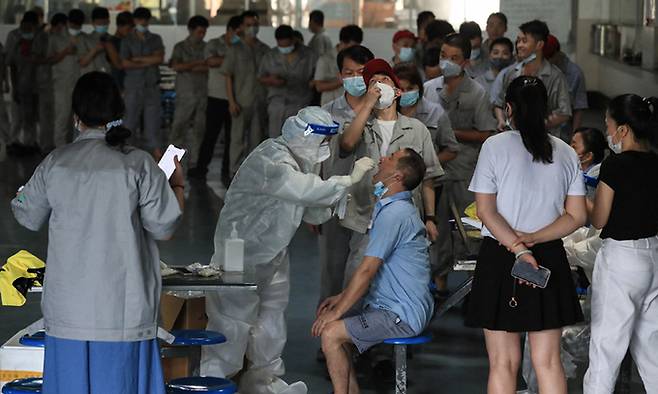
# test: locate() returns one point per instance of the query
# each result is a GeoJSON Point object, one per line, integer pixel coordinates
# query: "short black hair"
{"type": "Point", "coordinates": [250, 14]}
{"type": "Point", "coordinates": [503, 41]}
{"type": "Point", "coordinates": [197, 21]}
{"type": "Point", "coordinates": [470, 30]}
{"type": "Point", "coordinates": [58, 19]}
{"type": "Point", "coordinates": [30, 17]}
{"type": "Point", "coordinates": [423, 17]}
{"type": "Point", "coordinates": [298, 35]}
{"type": "Point", "coordinates": [76, 16]}
{"type": "Point", "coordinates": [432, 57]}
{"type": "Point", "coordinates": [234, 23]}
{"type": "Point", "coordinates": [358, 53]}
{"type": "Point", "coordinates": [413, 167]}
{"type": "Point", "coordinates": [438, 29]}
{"type": "Point", "coordinates": [409, 72]}
{"type": "Point", "coordinates": [100, 13]}
{"type": "Point", "coordinates": [537, 29]}
{"type": "Point", "coordinates": [284, 32]}
{"type": "Point", "coordinates": [593, 141]}
{"type": "Point", "coordinates": [500, 16]}
{"type": "Point", "coordinates": [142, 13]}
{"type": "Point", "coordinates": [317, 16]}
{"type": "Point", "coordinates": [125, 18]}
{"type": "Point", "coordinates": [460, 41]}
{"type": "Point", "coordinates": [351, 33]}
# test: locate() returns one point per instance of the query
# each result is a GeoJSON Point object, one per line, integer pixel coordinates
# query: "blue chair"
{"type": "Point", "coordinates": [23, 386]}
{"type": "Point", "coordinates": [36, 340]}
{"type": "Point", "coordinates": [199, 384]}
{"type": "Point", "coordinates": [400, 345]}
{"type": "Point", "coordinates": [197, 338]}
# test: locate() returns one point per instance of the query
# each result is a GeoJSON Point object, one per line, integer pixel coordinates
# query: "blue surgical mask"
{"type": "Point", "coordinates": [74, 32]}
{"type": "Point", "coordinates": [286, 50]}
{"type": "Point", "coordinates": [406, 54]}
{"type": "Point", "coordinates": [141, 28]}
{"type": "Point", "coordinates": [449, 68]}
{"type": "Point", "coordinates": [525, 61]}
{"type": "Point", "coordinates": [27, 36]}
{"type": "Point", "coordinates": [355, 86]}
{"type": "Point", "coordinates": [251, 31]}
{"type": "Point", "coordinates": [103, 29]}
{"type": "Point", "coordinates": [235, 39]}
{"type": "Point", "coordinates": [475, 53]}
{"type": "Point", "coordinates": [380, 189]}
{"type": "Point", "coordinates": [407, 99]}
{"type": "Point", "coordinates": [499, 63]}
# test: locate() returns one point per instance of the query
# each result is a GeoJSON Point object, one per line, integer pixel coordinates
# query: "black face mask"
{"type": "Point", "coordinates": [500, 63]}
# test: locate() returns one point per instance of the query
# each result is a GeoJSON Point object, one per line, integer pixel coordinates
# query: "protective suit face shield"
{"type": "Point", "coordinates": [307, 134]}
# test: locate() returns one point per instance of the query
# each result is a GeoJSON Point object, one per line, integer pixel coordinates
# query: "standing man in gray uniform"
{"type": "Point", "coordinates": [45, 84]}
{"type": "Point", "coordinates": [142, 52]}
{"type": "Point", "coordinates": [94, 56]}
{"type": "Point", "coordinates": [319, 43]}
{"type": "Point", "coordinates": [63, 51]}
{"type": "Point", "coordinates": [189, 62]}
{"type": "Point", "coordinates": [246, 96]}
{"type": "Point", "coordinates": [287, 71]}
{"type": "Point", "coordinates": [218, 117]}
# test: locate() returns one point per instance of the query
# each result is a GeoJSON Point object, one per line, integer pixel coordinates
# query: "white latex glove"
{"type": "Point", "coordinates": [361, 166]}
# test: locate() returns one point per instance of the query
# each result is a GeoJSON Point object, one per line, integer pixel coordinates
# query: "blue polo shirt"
{"type": "Point", "coordinates": [401, 284]}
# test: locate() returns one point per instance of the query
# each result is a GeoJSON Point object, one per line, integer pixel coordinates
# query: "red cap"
{"type": "Point", "coordinates": [551, 46]}
{"type": "Point", "coordinates": [379, 66]}
{"type": "Point", "coordinates": [400, 34]}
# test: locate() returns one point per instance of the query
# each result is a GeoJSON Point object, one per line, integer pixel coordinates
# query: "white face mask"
{"type": "Point", "coordinates": [387, 97]}
{"type": "Point", "coordinates": [616, 148]}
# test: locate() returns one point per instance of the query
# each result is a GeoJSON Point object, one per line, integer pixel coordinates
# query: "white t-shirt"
{"type": "Point", "coordinates": [386, 127]}
{"type": "Point", "coordinates": [529, 195]}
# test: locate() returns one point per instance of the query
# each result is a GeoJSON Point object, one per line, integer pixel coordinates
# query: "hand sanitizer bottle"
{"type": "Point", "coordinates": [234, 252]}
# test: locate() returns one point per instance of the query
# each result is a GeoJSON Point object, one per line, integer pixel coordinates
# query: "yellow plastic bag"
{"type": "Point", "coordinates": [471, 211]}
{"type": "Point", "coordinates": [22, 271]}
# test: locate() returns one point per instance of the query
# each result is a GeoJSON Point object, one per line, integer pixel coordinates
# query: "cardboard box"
{"type": "Point", "coordinates": [18, 361]}
{"type": "Point", "coordinates": [178, 313]}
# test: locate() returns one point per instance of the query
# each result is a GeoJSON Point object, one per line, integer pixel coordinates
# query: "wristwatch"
{"type": "Point", "coordinates": [430, 218]}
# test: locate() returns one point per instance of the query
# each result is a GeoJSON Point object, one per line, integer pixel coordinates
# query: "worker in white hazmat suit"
{"type": "Point", "coordinates": [275, 188]}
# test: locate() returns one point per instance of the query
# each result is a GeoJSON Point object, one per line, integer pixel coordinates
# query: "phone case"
{"type": "Point", "coordinates": [525, 271]}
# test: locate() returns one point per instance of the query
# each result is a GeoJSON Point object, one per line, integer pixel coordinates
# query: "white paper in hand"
{"type": "Point", "coordinates": [166, 163]}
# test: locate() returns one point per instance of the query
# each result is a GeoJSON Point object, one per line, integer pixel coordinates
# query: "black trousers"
{"type": "Point", "coordinates": [218, 118]}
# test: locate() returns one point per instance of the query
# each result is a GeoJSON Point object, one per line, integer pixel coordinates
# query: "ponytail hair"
{"type": "Point", "coordinates": [97, 102]}
{"type": "Point", "coordinates": [529, 101]}
{"type": "Point", "coordinates": [640, 114]}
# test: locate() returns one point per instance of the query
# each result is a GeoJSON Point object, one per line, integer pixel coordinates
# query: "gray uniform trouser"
{"type": "Point", "coordinates": [143, 111]}
{"type": "Point", "coordinates": [443, 252]}
{"type": "Point", "coordinates": [46, 117]}
{"type": "Point", "coordinates": [5, 129]}
{"type": "Point", "coordinates": [278, 111]}
{"type": "Point", "coordinates": [62, 94]}
{"type": "Point", "coordinates": [247, 131]}
{"type": "Point", "coordinates": [24, 118]}
{"type": "Point", "coordinates": [334, 253]}
{"type": "Point", "coordinates": [190, 108]}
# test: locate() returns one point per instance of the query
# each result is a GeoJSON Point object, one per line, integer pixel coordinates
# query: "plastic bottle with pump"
{"type": "Point", "coordinates": [234, 252]}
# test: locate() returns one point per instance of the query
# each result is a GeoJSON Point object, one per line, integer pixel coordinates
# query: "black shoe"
{"type": "Point", "coordinates": [197, 173]}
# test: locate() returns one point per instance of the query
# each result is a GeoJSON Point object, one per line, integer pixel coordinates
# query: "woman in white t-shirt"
{"type": "Point", "coordinates": [530, 193]}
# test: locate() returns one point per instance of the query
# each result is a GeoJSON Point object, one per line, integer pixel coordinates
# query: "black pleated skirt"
{"type": "Point", "coordinates": [537, 309]}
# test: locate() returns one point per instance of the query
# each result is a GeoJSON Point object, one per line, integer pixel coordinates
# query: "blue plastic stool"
{"type": "Point", "coordinates": [197, 338]}
{"type": "Point", "coordinates": [36, 340]}
{"type": "Point", "coordinates": [400, 345]}
{"type": "Point", "coordinates": [22, 386]}
{"type": "Point", "coordinates": [200, 384]}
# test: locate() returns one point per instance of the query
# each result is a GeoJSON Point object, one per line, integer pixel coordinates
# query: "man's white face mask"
{"type": "Point", "coordinates": [387, 97]}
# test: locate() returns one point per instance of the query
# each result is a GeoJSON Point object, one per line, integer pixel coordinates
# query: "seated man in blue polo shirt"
{"type": "Point", "coordinates": [394, 273]}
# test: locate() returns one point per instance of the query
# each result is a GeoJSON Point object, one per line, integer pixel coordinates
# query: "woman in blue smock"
{"type": "Point", "coordinates": [106, 204]}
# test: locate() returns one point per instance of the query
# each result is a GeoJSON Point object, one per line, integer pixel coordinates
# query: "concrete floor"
{"type": "Point", "coordinates": [455, 362]}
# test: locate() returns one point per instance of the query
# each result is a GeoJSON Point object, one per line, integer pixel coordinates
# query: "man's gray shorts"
{"type": "Point", "coordinates": [371, 326]}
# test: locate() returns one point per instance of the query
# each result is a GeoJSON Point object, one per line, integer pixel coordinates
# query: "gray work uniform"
{"type": "Point", "coordinates": [284, 101]}
{"type": "Point", "coordinates": [6, 137]}
{"type": "Point", "coordinates": [334, 239]}
{"type": "Point", "coordinates": [24, 88]}
{"type": "Point", "coordinates": [487, 80]}
{"type": "Point", "coordinates": [468, 107]}
{"type": "Point", "coordinates": [320, 44]}
{"type": "Point", "coordinates": [65, 74]}
{"type": "Point", "coordinates": [100, 62]}
{"type": "Point", "coordinates": [105, 209]}
{"type": "Point", "coordinates": [142, 89]}
{"type": "Point", "coordinates": [191, 99]}
{"type": "Point", "coordinates": [216, 81]}
{"type": "Point", "coordinates": [44, 90]}
{"type": "Point", "coordinates": [241, 63]}
{"type": "Point", "coordinates": [559, 101]}
{"type": "Point", "coordinates": [407, 133]}
{"type": "Point", "coordinates": [326, 69]}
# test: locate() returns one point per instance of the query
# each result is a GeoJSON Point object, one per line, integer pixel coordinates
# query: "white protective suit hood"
{"type": "Point", "coordinates": [305, 132]}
